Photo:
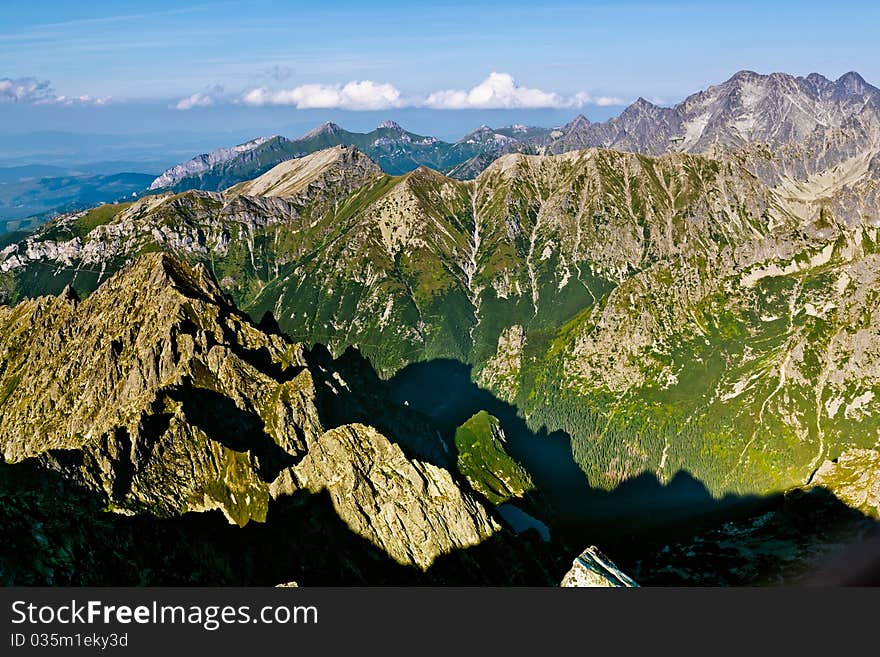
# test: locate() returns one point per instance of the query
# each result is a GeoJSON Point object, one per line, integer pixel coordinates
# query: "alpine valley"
{"type": "Point", "coordinates": [410, 361]}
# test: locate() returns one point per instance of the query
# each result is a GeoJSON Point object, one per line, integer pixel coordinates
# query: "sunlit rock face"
{"type": "Point", "coordinates": [593, 569]}
{"type": "Point", "coordinates": [853, 477]}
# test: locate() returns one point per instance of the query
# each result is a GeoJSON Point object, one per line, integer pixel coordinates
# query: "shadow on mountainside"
{"type": "Point", "coordinates": [237, 429]}
{"type": "Point", "coordinates": [439, 396]}
{"type": "Point", "coordinates": [443, 390]}
{"type": "Point", "coordinates": [57, 533]}
{"type": "Point", "coordinates": [805, 537]}
{"type": "Point", "coordinates": [642, 515]}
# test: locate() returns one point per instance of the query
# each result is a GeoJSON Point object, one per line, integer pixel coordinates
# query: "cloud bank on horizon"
{"type": "Point", "coordinates": [500, 91]}
{"type": "Point", "coordinates": [497, 91]}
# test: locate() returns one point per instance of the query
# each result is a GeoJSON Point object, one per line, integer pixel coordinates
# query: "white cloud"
{"type": "Point", "coordinates": [32, 91]}
{"type": "Point", "coordinates": [606, 101]}
{"type": "Point", "coordinates": [500, 91]}
{"type": "Point", "coordinates": [79, 100]}
{"type": "Point", "coordinates": [25, 90]}
{"type": "Point", "coordinates": [198, 99]}
{"type": "Point", "coordinates": [355, 95]}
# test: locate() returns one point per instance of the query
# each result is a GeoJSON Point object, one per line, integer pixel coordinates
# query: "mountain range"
{"type": "Point", "coordinates": [396, 150]}
{"type": "Point", "coordinates": [749, 108]}
{"type": "Point", "coordinates": [678, 290]}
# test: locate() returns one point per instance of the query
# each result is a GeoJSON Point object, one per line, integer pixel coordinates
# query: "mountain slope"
{"type": "Point", "coordinates": [227, 166]}
{"type": "Point", "coordinates": [325, 168]}
{"type": "Point", "coordinates": [395, 149]}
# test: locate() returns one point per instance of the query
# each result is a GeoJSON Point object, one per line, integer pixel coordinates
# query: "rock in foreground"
{"type": "Point", "coordinates": [593, 569]}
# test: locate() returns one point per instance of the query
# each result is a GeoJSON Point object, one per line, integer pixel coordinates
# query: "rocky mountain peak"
{"type": "Point", "coordinates": [593, 569]}
{"type": "Point", "coordinates": [486, 135]}
{"type": "Point", "coordinates": [345, 165]}
{"type": "Point", "coordinates": [326, 128]}
{"type": "Point", "coordinates": [640, 107]}
{"type": "Point", "coordinates": [746, 76]}
{"type": "Point", "coordinates": [153, 274]}
{"type": "Point", "coordinates": [816, 78]}
{"type": "Point", "coordinates": [854, 84]}
{"type": "Point", "coordinates": [579, 122]}
{"type": "Point", "coordinates": [206, 161]}
{"type": "Point", "coordinates": [389, 125]}
{"type": "Point", "coordinates": [425, 174]}
{"type": "Point", "coordinates": [184, 405]}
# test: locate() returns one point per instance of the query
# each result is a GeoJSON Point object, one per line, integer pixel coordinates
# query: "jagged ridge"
{"type": "Point", "coordinates": [166, 399]}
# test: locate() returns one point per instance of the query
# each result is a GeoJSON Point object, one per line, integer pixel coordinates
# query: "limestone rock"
{"type": "Point", "coordinates": [854, 477]}
{"type": "Point", "coordinates": [413, 510]}
{"type": "Point", "coordinates": [593, 569]}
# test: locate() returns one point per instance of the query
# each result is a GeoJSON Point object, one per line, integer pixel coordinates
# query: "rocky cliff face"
{"type": "Point", "coordinates": [853, 477]}
{"type": "Point", "coordinates": [413, 510]}
{"type": "Point", "coordinates": [156, 392]}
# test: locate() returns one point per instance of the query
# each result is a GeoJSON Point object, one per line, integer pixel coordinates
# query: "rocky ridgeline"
{"type": "Point", "coordinates": [205, 162]}
{"type": "Point", "coordinates": [166, 399]}
{"type": "Point", "coordinates": [747, 109]}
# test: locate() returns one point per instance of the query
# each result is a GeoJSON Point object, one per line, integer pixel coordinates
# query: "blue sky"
{"type": "Point", "coordinates": [255, 66]}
